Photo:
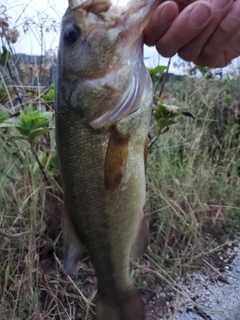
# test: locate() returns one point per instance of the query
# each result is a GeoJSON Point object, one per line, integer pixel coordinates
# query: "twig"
{"type": "Point", "coordinates": [14, 235]}
{"type": "Point", "coordinates": [155, 138]}
{"type": "Point", "coordinates": [164, 79]}
{"type": "Point", "coordinates": [40, 165]}
{"type": "Point", "coordinates": [220, 275]}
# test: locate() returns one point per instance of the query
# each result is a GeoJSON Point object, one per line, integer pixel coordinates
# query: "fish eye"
{"type": "Point", "coordinates": [71, 34]}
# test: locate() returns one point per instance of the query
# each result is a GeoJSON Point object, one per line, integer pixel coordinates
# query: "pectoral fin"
{"type": "Point", "coordinates": [72, 247]}
{"type": "Point", "coordinates": [116, 160]}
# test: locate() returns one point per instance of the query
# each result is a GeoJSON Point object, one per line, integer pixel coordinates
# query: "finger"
{"type": "Point", "coordinates": [162, 18]}
{"type": "Point", "coordinates": [221, 40]}
{"type": "Point", "coordinates": [194, 48]}
{"type": "Point", "coordinates": [185, 27]}
{"type": "Point", "coordinates": [231, 51]}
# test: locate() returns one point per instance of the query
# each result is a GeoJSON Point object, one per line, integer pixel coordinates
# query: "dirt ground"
{"type": "Point", "coordinates": [210, 293]}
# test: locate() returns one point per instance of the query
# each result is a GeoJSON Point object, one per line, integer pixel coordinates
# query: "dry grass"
{"type": "Point", "coordinates": [193, 175]}
{"type": "Point", "coordinates": [193, 207]}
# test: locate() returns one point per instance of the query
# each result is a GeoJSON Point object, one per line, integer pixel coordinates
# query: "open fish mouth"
{"type": "Point", "coordinates": [94, 6]}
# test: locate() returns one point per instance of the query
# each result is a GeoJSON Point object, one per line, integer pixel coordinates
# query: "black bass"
{"type": "Point", "coordinates": [103, 109]}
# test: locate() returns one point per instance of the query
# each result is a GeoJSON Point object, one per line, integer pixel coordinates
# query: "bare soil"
{"type": "Point", "coordinates": [210, 293]}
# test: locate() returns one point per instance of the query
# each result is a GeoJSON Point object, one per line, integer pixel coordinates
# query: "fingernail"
{"type": "Point", "coordinates": [200, 15]}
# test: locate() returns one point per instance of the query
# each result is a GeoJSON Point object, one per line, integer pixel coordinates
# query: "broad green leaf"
{"type": "Point", "coordinates": [12, 122]}
{"type": "Point", "coordinates": [14, 138]}
{"type": "Point", "coordinates": [31, 114]}
{"type": "Point", "coordinates": [30, 124]}
{"type": "Point", "coordinates": [154, 72]}
{"type": "Point", "coordinates": [48, 115]}
{"type": "Point", "coordinates": [164, 114]}
{"type": "Point", "coordinates": [37, 133]}
{"type": "Point", "coordinates": [49, 96]}
{"type": "Point", "coordinates": [163, 123]}
{"type": "Point", "coordinates": [33, 120]}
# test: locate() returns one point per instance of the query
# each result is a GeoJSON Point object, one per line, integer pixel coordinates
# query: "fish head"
{"type": "Point", "coordinates": [89, 39]}
{"type": "Point", "coordinates": [100, 58]}
{"type": "Point", "coordinates": [95, 34]}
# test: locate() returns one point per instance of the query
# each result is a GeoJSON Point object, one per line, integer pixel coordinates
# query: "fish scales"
{"type": "Point", "coordinates": [103, 109]}
{"type": "Point", "coordinates": [83, 151]}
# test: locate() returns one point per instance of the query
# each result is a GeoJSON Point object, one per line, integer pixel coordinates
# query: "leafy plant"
{"type": "Point", "coordinates": [155, 72]}
{"type": "Point", "coordinates": [30, 124]}
{"type": "Point", "coordinates": [49, 96]}
{"type": "Point", "coordinates": [164, 114]}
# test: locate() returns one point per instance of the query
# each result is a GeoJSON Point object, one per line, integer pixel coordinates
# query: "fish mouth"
{"type": "Point", "coordinates": [101, 6]}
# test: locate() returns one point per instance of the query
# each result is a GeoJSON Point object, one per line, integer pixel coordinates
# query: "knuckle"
{"type": "Point", "coordinates": [164, 50]}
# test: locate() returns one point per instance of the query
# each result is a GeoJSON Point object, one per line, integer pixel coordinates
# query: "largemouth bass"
{"type": "Point", "coordinates": [103, 109]}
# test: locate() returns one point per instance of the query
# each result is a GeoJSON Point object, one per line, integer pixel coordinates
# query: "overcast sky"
{"type": "Point", "coordinates": [32, 16]}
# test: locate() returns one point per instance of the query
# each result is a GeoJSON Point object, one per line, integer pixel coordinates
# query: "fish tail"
{"type": "Point", "coordinates": [127, 306]}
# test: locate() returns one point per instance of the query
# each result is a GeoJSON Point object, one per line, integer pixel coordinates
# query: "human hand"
{"type": "Point", "coordinates": [206, 32]}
